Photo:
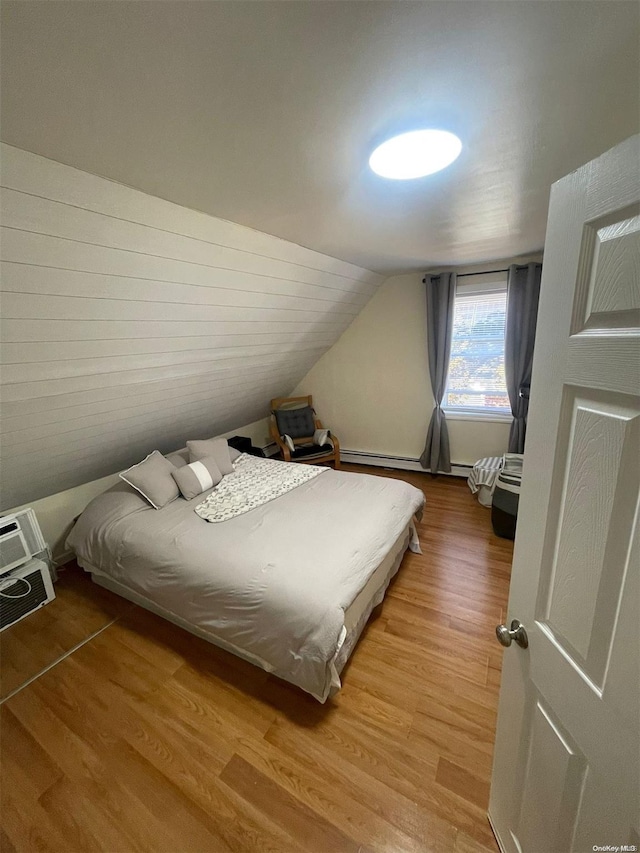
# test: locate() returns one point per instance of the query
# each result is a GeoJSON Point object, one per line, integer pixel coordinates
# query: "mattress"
{"type": "Point", "coordinates": [286, 585]}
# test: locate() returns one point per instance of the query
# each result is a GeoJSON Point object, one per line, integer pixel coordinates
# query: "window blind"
{"type": "Point", "coordinates": [476, 379]}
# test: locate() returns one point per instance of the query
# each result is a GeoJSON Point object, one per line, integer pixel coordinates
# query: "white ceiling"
{"type": "Point", "coordinates": [264, 113]}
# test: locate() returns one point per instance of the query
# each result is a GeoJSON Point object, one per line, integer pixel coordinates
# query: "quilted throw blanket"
{"type": "Point", "coordinates": [254, 482]}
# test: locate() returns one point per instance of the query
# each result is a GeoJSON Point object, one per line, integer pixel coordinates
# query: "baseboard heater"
{"type": "Point", "coordinates": [402, 463]}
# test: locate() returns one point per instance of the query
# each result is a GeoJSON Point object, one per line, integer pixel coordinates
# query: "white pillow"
{"type": "Point", "coordinates": [321, 437]}
{"type": "Point", "coordinates": [197, 477]}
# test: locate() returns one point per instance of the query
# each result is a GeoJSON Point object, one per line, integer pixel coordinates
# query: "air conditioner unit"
{"type": "Point", "coordinates": [20, 539]}
{"type": "Point", "coordinates": [24, 590]}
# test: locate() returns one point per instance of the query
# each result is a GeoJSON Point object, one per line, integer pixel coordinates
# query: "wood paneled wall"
{"type": "Point", "coordinates": [130, 323]}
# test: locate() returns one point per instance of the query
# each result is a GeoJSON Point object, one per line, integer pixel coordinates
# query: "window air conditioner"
{"type": "Point", "coordinates": [24, 590]}
{"type": "Point", "coordinates": [20, 539]}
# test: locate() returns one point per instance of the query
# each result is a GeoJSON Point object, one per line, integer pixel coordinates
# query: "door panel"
{"type": "Point", "coordinates": [551, 753]}
{"type": "Point", "coordinates": [610, 291]}
{"type": "Point", "coordinates": [582, 567]}
{"type": "Point", "coordinates": [566, 761]}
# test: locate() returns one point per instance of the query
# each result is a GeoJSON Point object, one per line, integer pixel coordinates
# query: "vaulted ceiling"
{"type": "Point", "coordinates": [131, 323]}
{"type": "Point", "coordinates": [264, 113]}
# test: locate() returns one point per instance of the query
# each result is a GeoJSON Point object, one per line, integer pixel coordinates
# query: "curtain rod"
{"type": "Point", "coordinates": [462, 275]}
{"type": "Point", "coordinates": [485, 272]}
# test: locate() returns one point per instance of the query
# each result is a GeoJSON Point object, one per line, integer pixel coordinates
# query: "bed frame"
{"type": "Point", "coordinates": [356, 616]}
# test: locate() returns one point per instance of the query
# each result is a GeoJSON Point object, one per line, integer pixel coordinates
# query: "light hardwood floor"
{"type": "Point", "coordinates": [148, 739]}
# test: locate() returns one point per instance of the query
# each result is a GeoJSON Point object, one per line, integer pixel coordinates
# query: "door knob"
{"type": "Point", "coordinates": [516, 632]}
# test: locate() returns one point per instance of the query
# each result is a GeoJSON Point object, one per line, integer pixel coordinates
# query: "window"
{"type": "Point", "coordinates": [476, 380]}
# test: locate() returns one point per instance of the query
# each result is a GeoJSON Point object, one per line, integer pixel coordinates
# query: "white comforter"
{"type": "Point", "coordinates": [273, 583]}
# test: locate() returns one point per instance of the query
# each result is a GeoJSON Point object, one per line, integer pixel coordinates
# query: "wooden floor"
{"type": "Point", "coordinates": [146, 738]}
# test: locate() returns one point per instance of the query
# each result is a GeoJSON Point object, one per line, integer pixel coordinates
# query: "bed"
{"type": "Point", "coordinates": [288, 585]}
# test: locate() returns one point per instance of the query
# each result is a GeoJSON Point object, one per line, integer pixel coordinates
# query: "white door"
{"type": "Point", "coordinates": [567, 755]}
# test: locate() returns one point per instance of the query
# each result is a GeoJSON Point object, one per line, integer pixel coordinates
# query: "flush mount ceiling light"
{"type": "Point", "coordinates": [415, 154]}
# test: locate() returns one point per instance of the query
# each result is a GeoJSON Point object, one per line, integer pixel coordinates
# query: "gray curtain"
{"type": "Point", "coordinates": [441, 293]}
{"type": "Point", "coordinates": [523, 292]}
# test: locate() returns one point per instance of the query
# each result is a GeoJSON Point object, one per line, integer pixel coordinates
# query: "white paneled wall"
{"type": "Point", "coordinates": [130, 323]}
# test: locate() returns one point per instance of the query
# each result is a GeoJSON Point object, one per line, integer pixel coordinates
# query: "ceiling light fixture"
{"type": "Point", "coordinates": [415, 154]}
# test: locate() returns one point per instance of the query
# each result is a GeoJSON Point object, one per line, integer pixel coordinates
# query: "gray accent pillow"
{"type": "Point", "coordinates": [180, 458]}
{"type": "Point", "coordinates": [197, 477]}
{"type": "Point", "coordinates": [152, 478]}
{"type": "Point", "coordinates": [215, 447]}
{"type": "Point", "coordinates": [297, 423]}
{"type": "Point", "coordinates": [233, 453]}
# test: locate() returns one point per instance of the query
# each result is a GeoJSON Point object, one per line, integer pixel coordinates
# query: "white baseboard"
{"type": "Point", "coordinates": [64, 557]}
{"type": "Point", "coordinates": [402, 463]}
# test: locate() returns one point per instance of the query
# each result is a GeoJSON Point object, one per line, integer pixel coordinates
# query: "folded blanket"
{"type": "Point", "coordinates": [254, 482]}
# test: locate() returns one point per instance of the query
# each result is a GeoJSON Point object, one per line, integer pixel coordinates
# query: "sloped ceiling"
{"type": "Point", "coordinates": [129, 324]}
{"type": "Point", "coordinates": [264, 113]}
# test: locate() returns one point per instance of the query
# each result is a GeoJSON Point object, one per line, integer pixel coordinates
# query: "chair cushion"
{"type": "Point", "coordinates": [311, 450]}
{"type": "Point", "coordinates": [298, 423]}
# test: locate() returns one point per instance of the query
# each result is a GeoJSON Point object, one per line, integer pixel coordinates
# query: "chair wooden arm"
{"type": "Point", "coordinates": [284, 449]}
{"type": "Point", "coordinates": [336, 451]}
